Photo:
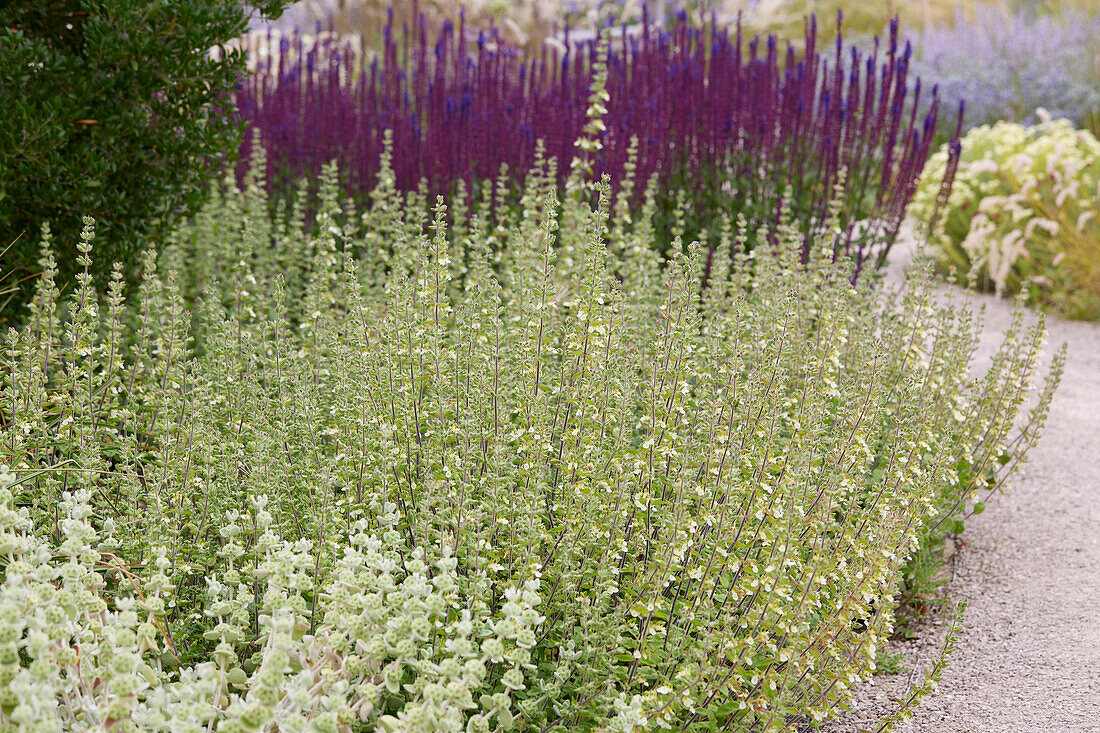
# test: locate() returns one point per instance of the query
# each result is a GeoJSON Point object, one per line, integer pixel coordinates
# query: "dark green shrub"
{"type": "Point", "coordinates": [114, 108]}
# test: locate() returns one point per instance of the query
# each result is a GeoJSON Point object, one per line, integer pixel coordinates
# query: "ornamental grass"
{"type": "Point", "coordinates": [1022, 217]}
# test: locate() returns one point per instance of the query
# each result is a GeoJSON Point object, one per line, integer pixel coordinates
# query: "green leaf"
{"type": "Point", "coordinates": [725, 709]}
{"type": "Point", "coordinates": [389, 723]}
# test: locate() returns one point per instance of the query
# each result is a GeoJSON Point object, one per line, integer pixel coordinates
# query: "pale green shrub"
{"type": "Point", "coordinates": [479, 478]}
{"type": "Point", "coordinates": [1023, 213]}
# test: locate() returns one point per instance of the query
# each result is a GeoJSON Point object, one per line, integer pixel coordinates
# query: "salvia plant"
{"type": "Point", "coordinates": [1022, 215]}
{"type": "Point", "coordinates": [717, 122]}
{"type": "Point", "coordinates": [521, 474]}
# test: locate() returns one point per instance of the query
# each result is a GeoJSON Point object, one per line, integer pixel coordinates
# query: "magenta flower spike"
{"type": "Point", "coordinates": [735, 123]}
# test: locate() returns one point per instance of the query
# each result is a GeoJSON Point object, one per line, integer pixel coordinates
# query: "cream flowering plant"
{"type": "Point", "coordinates": [477, 468]}
{"type": "Point", "coordinates": [1023, 213]}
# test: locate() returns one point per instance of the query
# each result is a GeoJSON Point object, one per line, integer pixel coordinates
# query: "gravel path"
{"type": "Point", "coordinates": [1029, 567]}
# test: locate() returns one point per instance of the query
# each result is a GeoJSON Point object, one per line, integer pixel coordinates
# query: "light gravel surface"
{"type": "Point", "coordinates": [1029, 567]}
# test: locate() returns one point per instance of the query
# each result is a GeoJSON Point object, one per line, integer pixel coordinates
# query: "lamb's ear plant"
{"type": "Point", "coordinates": [459, 483]}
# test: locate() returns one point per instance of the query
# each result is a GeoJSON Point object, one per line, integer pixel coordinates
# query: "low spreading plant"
{"type": "Point", "coordinates": [1022, 214]}
{"type": "Point", "coordinates": [521, 474]}
{"type": "Point", "coordinates": [721, 123]}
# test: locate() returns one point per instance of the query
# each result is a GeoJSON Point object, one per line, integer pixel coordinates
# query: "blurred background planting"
{"type": "Point", "coordinates": [529, 22]}
{"type": "Point", "coordinates": [1008, 63]}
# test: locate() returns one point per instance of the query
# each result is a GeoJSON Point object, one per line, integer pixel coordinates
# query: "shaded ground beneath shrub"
{"type": "Point", "coordinates": [1029, 567]}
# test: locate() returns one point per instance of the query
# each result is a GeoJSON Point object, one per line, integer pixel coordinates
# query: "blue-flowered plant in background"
{"type": "Point", "coordinates": [1005, 65]}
